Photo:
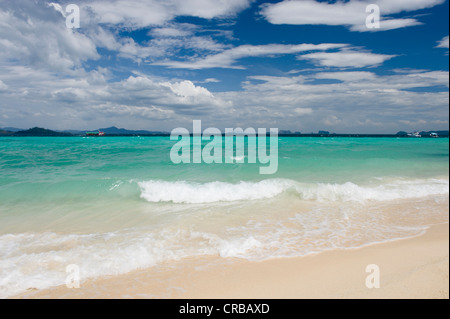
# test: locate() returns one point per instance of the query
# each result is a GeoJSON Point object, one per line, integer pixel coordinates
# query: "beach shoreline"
{"type": "Point", "coordinates": [413, 268]}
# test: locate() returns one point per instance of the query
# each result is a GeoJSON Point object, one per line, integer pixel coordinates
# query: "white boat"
{"type": "Point", "coordinates": [435, 135]}
{"type": "Point", "coordinates": [415, 134]}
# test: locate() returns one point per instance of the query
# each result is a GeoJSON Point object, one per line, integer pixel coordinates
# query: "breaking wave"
{"type": "Point", "coordinates": [183, 192]}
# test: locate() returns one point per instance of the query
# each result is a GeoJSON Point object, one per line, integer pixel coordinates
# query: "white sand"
{"type": "Point", "coordinates": [409, 268]}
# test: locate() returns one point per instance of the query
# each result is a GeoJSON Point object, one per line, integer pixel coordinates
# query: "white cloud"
{"type": "Point", "coordinates": [346, 58]}
{"type": "Point", "coordinates": [209, 9]}
{"type": "Point", "coordinates": [177, 96]}
{"type": "Point", "coordinates": [211, 80]}
{"type": "Point", "coordinates": [413, 123]}
{"type": "Point", "coordinates": [36, 34]}
{"type": "Point", "coordinates": [370, 80]}
{"type": "Point", "coordinates": [137, 14]}
{"type": "Point", "coordinates": [353, 76]}
{"type": "Point", "coordinates": [104, 38]}
{"type": "Point", "coordinates": [303, 111]}
{"type": "Point", "coordinates": [38, 53]}
{"type": "Point", "coordinates": [351, 14]}
{"type": "Point", "coordinates": [90, 99]}
{"type": "Point", "coordinates": [387, 24]}
{"type": "Point", "coordinates": [57, 7]}
{"type": "Point", "coordinates": [444, 43]}
{"type": "Point", "coordinates": [31, 35]}
{"type": "Point", "coordinates": [170, 32]}
{"type": "Point", "coordinates": [3, 86]}
{"type": "Point", "coordinates": [298, 103]}
{"type": "Point", "coordinates": [188, 89]}
{"type": "Point", "coordinates": [168, 41]}
{"type": "Point", "coordinates": [228, 58]}
{"type": "Point", "coordinates": [332, 120]}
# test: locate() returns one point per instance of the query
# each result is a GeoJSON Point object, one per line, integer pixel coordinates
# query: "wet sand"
{"type": "Point", "coordinates": [409, 268]}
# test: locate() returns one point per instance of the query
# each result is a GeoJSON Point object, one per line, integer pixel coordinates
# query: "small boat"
{"type": "Point", "coordinates": [415, 134]}
{"type": "Point", "coordinates": [435, 135]}
{"type": "Point", "coordinates": [95, 133]}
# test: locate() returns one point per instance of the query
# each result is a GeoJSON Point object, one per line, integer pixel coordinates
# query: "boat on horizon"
{"type": "Point", "coordinates": [415, 134]}
{"type": "Point", "coordinates": [99, 133]}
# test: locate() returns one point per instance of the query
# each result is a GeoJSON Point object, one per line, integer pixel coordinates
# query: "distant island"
{"type": "Point", "coordinates": [114, 131]}
{"type": "Point", "coordinates": [110, 131]}
{"type": "Point", "coordinates": [37, 131]}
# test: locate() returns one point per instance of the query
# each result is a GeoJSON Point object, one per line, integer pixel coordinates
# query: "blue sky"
{"type": "Point", "coordinates": [301, 65]}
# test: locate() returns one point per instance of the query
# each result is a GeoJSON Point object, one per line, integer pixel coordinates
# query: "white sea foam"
{"type": "Point", "coordinates": [394, 190]}
{"type": "Point", "coordinates": [39, 260]}
{"type": "Point", "coordinates": [196, 193]}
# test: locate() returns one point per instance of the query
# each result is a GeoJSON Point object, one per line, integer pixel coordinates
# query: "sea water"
{"type": "Point", "coordinates": [111, 205]}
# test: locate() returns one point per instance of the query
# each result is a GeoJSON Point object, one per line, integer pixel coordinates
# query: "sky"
{"type": "Point", "coordinates": [299, 65]}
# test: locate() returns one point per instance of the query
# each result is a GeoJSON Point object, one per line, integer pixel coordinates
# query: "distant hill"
{"type": "Point", "coordinates": [5, 133]}
{"type": "Point", "coordinates": [121, 131]}
{"type": "Point", "coordinates": [11, 129]}
{"type": "Point", "coordinates": [74, 132]}
{"type": "Point", "coordinates": [114, 131]}
{"type": "Point", "coordinates": [37, 131]}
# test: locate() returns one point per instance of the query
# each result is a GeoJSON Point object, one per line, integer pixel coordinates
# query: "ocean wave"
{"type": "Point", "coordinates": [183, 192]}
{"type": "Point", "coordinates": [197, 193]}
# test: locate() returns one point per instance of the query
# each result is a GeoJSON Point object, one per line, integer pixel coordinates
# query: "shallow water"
{"type": "Point", "coordinates": [113, 205]}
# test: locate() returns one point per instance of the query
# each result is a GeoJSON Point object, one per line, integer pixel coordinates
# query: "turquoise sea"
{"type": "Point", "coordinates": [112, 205]}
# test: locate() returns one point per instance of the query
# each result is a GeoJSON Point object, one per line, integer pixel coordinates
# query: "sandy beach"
{"type": "Point", "coordinates": [409, 268]}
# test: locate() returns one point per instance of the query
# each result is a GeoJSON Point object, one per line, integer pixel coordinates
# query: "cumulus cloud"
{"type": "Point", "coordinates": [36, 34]}
{"type": "Point", "coordinates": [165, 42]}
{"type": "Point", "coordinates": [29, 33]}
{"type": "Point", "coordinates": [350, 13]}
{"type": "Point", "coordinates": [91, 99]}
{"type": "Point", "coordinates": [356, 101]}
{"type": "Point", "coordinates": [296, 102]}
{"type": "Point", "coordinates": [47, 76]}
{"type": "Point", "coordinates": [136, 14]}
{"type": "Point", "coordinates": [188, 89]}
{"type": "Point", "coordinates": [182, 97]}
